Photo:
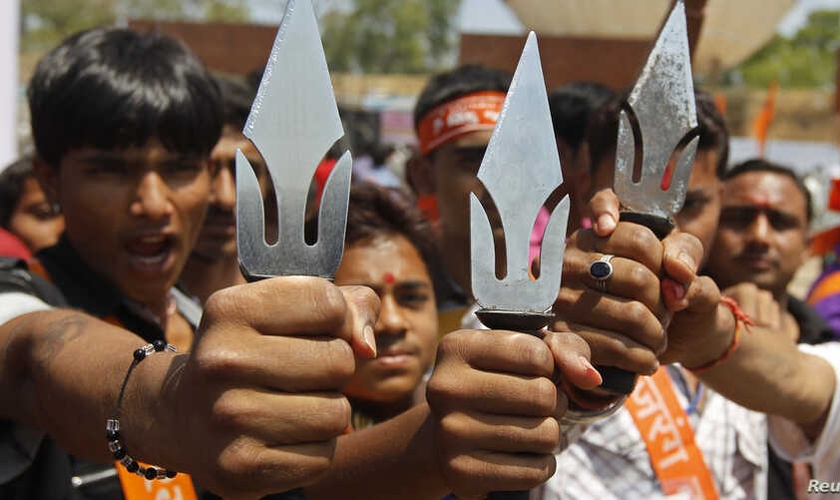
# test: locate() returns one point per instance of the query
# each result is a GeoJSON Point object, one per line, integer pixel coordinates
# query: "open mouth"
{"type": "Point", "coordinates": [219, 226]}
{"type": "Point", "coordinates": [150, 253]}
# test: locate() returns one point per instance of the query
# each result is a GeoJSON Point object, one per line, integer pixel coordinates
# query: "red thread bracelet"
{"type": "Point", "coordinates": [740, 317]}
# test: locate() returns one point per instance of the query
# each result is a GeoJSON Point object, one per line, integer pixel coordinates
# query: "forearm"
{"type": "Point", "coordinates": [394, 459]}
{"type": "Point", "coordinates": [61, 372]}
{"type": "Point", "coordinates": [768, 373]}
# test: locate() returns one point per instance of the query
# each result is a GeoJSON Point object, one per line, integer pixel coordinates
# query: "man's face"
{"type": "Point", "coordinates": [217, 239]}
{"type": "Point", "coordinates": [406, 331]}
{"type": "Point", "coordinates": [455, 165]}
{"type": "Point", "coordinates": [699, 215]}
{"type": "Point", "coordinates": [34, 221]}
{"type": "Point", "coordinates": [763, 232]}
{"type": "Point", "coordinates": [133, 215]}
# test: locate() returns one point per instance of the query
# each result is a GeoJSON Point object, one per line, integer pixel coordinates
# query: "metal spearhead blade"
{"type": "Point", "coordinates": [293, 122]}
{"type": "Point", "coordinates": [659, 118]}
{"type": "Point", "coordinates": [662, 103]}
{"type": "Point", "coordinates": [521, 168]}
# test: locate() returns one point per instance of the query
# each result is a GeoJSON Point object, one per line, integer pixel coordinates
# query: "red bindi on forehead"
{"type": "Point", "coordinates": [388, 278]}
{"type": "Point", "coordinates": [760, 200]}
{"type": "Point", "coordinates": [765, 192]}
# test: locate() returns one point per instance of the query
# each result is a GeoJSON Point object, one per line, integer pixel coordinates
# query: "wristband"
{"type": "Point", "coordinates": [740, 317]}
{"type": "Point", "coordinates": [112, 425]}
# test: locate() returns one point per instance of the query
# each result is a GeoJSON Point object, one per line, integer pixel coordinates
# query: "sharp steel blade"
{"type": "Point", "coordinates": [520, 169]}
{"type": "Point", "coordinates": [663, 104]}
{"type": "Point", "coordinates": [293, 122]}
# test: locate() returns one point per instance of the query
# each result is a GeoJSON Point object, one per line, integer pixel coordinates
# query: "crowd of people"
{"type": "Point", "coordinates": [118, 236]}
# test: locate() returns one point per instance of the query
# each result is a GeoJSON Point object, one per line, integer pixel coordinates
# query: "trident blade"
{"type": "Point", "coordinates": [662, 102]}
{"type": "Point", "coordinates": [293, 122]}
{"type": "Point", "coordinates": [521, 168]}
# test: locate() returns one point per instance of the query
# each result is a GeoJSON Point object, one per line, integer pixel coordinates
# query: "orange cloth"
{"type": "Point", "coordinates": [465, 114]}
{"type": "Point", "coordinates": [762, 122]}
{"type": "Point", "coordinates": [669, 438]}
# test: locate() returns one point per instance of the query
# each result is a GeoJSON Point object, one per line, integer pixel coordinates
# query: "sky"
{"type": "Point", "coordinates": [495, 17]}
{"type": "Point", "coordinates": [799, 12]}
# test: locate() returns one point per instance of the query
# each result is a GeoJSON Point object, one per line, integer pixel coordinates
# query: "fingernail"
{"type": "Point", "coordinates": [589, 370]}
{"type": "Point", "coordinates": [655, 367]}
{"type": "Point", "coordinates": [690, 262]}
{"type": "Point", "coordinates": [606, 223]}
{"type": "Point", "coordinates": [370, 340]}
{"type": "Point", "coordinates": [676, 289]}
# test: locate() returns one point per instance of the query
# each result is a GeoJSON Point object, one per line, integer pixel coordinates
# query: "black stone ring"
{"type": "Point", "coordinates": [601, 270]}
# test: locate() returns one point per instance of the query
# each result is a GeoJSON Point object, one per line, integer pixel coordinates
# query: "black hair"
{"type": "Point", "coordinates": [714, 135]}
{"type": "Point", "coordinates": [113, 88]}
{"type": "Point", "coordinates": [761, 165]}
{"type": "Point", "coordinates": [237, 97]}
{"type": "Point", "coordinates": [571, 105]}
{"type": "Point", "coordinates": [460, 81]}
{"type": "Point", "coordinates": [380, 211]}
{"type": "Point", "coordinates": [602, 130]}
{"type": "Point", "coordinates": [12, 179]}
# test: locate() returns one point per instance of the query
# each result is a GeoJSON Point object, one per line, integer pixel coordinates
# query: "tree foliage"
{"type": "Point", "coordinates": [390, 36]}
{"type": "Point", "coordinates": [807, 59]}
{"type": "Point", "coordinates": [44, 23]}
{"type": "Point", "coordinates": [226, 11]}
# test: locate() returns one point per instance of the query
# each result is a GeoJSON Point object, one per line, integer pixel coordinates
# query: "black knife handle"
{"type": "Point", "coordinates": [616, 380]}
{"type": "Point", "coordinates": [660, 226]}
{"type": "Point", "coordinates": [520, 322]}
{"type": "Point", "coordinates": [508, 495]}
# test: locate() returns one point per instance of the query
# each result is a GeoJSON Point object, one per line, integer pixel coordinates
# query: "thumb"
{"type": "Point", "coordinates": [360, 319]}
{"type": "Point", "coordinates": [604, 207]}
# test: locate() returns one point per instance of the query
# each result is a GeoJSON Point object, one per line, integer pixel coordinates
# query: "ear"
{"type": "Point", "coordinates": [420, 174]}
{"type": "Point", "coordinates": [47, 176]}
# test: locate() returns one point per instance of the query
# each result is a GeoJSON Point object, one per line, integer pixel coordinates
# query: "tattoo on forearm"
{"type": "Point", "coordinates": [59, 334]}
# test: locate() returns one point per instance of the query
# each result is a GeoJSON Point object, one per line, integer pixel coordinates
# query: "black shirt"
{"type": "Point", "coordinates": [74, 284]}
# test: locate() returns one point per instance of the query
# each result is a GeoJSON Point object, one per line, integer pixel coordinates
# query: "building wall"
{"type": "Point", "coordinates": [612, 62]}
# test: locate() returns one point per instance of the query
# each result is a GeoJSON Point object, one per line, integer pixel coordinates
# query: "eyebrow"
{"type": "Point", "coordinates": [399, 285]}
{"type": "Point", "coordinates": [696, 191]}
{"type": "Point", "coordinates": [113, 156]}
{"type": "Point", "coordinates": [752, 208]}
{"type": "Point", "coordinates": [471, 150]}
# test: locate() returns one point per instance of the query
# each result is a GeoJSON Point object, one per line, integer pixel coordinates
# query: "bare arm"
{"type": "Point", "coordinates": [767, 372]}
{"type": "Point", "coordinates": [46, 373]}
{"type": "Point", "coordinates": [394, 459]}
{"type": "Point", "coordinates": [253, 409]}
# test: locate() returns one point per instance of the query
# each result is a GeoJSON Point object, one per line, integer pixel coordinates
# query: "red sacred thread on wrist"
{"type": "Point", "coordinates": [740, 317]}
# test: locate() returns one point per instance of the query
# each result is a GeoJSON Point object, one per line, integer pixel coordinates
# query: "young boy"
{"type": "Point", "coordinates": [123, 125]}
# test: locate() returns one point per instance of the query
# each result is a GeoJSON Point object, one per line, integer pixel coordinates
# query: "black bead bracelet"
{"type": "Point", "coordinates": [112, 425]}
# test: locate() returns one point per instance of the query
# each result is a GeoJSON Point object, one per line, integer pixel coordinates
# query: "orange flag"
{"type": "Point", "coordinates": [762, 121]}
{"type": "Point", "coordinates": [720, 103]}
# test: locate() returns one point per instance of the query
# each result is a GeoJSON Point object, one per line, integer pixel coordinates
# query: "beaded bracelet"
{"type": "Point", "coordinates": [740, 317]}
{"type": "Point", "coordinates": [112, 425]}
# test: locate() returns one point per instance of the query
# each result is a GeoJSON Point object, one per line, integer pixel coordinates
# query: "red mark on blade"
{"type": "Point", "coordinates": [667, 176]}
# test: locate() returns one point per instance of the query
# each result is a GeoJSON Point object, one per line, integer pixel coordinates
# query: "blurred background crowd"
{"type": "Point", "coordinates": [770, 64]}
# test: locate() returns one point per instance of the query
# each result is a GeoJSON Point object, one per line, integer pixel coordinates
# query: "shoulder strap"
{"type": "Point", "coordinates": [189, 308]}
{"type": "Point", "coordinates": [18, 276]}
{"type": "Point", "coordinates": [669, 438]}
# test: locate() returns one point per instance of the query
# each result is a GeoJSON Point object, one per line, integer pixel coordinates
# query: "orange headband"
{"type": "Point", "coordinates": [450, 120]}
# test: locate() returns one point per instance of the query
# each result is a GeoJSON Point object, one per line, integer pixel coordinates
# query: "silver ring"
{"type": "Point", "coordinates": [601, 270]}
